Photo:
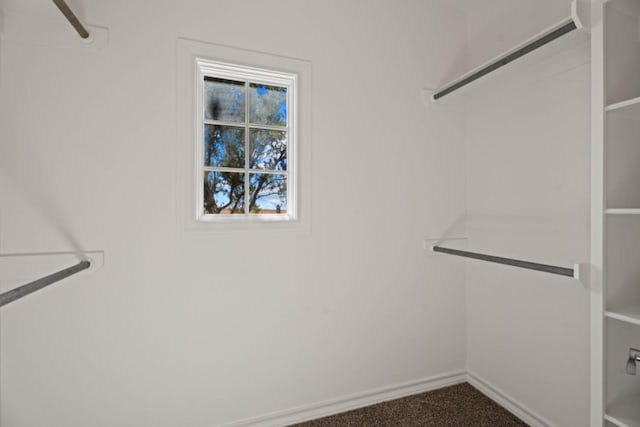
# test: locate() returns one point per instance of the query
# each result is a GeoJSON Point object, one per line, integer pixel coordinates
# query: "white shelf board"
{"type": "Point", "coordinates": [628, 315]}
{"type": "Point", "coordinates": [564, 43]}
{"type": "Point", "coordinates": [624, 415]}
{"type": "Point", "coordinates": [623, 211]}
{"type": "Point", "coordinates": [629, 103]}
{"type": "Point", "coordinates": [29, 266]}
{"type": "Point", "coordinates": [629, 108]}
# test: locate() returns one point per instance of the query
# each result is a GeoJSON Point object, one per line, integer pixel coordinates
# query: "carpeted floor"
{"type": "Point", "coordinates": [456, 406]}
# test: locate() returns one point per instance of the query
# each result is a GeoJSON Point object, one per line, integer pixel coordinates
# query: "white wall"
{"type": "Point", "coordinates": [528, 198]}
{"type": "Point", "coordinates": [183, 330]}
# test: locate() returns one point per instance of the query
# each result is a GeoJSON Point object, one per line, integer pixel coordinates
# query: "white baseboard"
{"type": "Point", "coordinates": [507, 402]}
{"type": "Point", "coordinates": [383, 394]}
{"type": "Point", "coordinates": [349, 402]}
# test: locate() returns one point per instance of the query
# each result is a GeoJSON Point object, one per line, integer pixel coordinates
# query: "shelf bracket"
{"type": "Point", "coordinates": [581, 15]}
{"type": "Point", "coordinates": [581, 272]}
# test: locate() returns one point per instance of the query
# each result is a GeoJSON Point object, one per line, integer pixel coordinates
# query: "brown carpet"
{"type": "Point", "coordinates": [456, 406]}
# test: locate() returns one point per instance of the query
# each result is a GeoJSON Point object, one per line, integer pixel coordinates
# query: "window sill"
{"type": "Point", "coordinates": [216, 224]}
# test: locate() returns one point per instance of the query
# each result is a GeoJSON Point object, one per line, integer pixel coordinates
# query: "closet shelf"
{"type": "Point", "coordinates": [628, 315]}
{"type": "Point", "coordinates": [626, 415]}
{"type": "Point", "coordinates": [27, 265]}
{"type": "Point", "coordinates": [18, 267]}
{"type": "Point", "coordinates": [631, 106]}
{"type": "Point", "coordinates": [623, 211]}
{"type": "Point", "coordinates": [557, 38]}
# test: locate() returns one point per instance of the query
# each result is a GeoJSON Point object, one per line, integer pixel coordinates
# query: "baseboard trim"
{"type": "Point", "coordinates": [350, 402]}
{"type": "Point", "coordinates": [507, 402]}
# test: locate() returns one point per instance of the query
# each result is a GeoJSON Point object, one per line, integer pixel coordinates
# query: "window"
{"type": "Point", "coordinates": [247, 138]}
{"type": "Point", "coordinates": [244, 140]}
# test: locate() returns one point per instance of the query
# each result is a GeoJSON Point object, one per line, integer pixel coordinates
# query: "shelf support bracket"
{"type": "Point", "coordinates": [581, 15]}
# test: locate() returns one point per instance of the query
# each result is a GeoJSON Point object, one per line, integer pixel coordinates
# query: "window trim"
{"type": "Point", "coordinates": [216, 69]}
{"type": "Point", "coordinates": [187, 152]}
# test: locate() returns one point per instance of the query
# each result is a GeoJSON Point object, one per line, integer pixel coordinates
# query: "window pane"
{"type": "Point", "coordinates": [268, 104]}
{"type": "Point", "coordinates": [223, 146]}
{"type": "Point", "coordinates": [268, 149]}
{"type": "Point", "coordinates": [268, 193]}
{"type": "Point", "coordinates": [223, 193]}
{"type": "Point", "coordinates": [224, 100]}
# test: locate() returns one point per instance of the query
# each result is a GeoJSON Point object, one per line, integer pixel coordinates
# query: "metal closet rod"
{"type": "Point", "coordinates": [506, 59]}
{"type": "Point", "coordinates": [72, 18]}
{"type": "Point", "coordinates": [36, 285]}
{"type": "Point", "coordinates": [563, 271]}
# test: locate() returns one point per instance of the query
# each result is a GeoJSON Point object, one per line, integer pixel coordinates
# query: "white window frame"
{"type": "Point", "coordinates": [209, 68]}
{"type": "Point", "coordinates": [195, 60]}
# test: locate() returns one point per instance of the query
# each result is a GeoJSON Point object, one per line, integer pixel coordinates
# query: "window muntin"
{"type": "Point", "coordinates": [246, 143]}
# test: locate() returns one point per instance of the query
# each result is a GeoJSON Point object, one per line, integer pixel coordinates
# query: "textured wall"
{"type": "Point", "coordinates": [528, 198]}
{"type": "Point", "coordinates": [179, 330]}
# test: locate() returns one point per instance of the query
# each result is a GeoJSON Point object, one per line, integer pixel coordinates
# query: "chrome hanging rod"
{"type": "Point", "coordinates": [563, 271]}
{"type": "Point", "coordinates": [36, 285]}
{"type": "Point", "coordinates": [72, 18]}
{"type": "Point", "coordinates": [505, 59]}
